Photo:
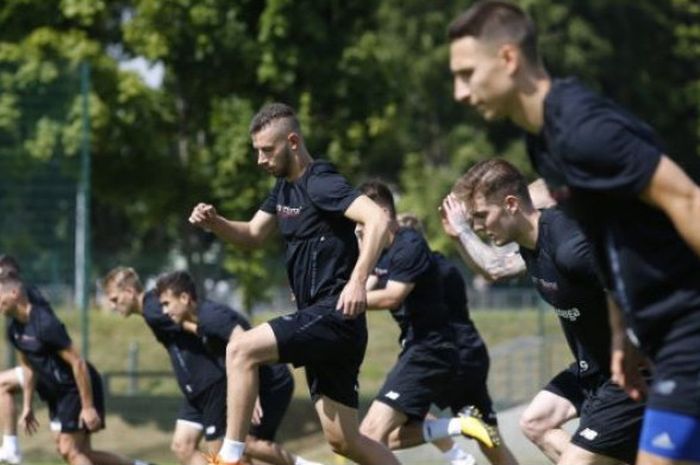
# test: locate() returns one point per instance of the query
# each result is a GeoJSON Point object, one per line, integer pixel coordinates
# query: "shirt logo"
{"type": "Point", "coordinates": [571, 314]}
{"type": "Point", "coordinates": [663, 441]}
{"type": "Point", "coordinates": [393, 395]}
{"type": "Point", "coordinates": [665, 387]}
{"type": "Point", "coordinates": [589, 434]}
{"type": "Point", "coordinates": [380, 271]}
{"type": "Point", "coordinates": [284, 211]}
{"type": "Point", "coordinates": [583, 365]}
{"type": "Point", "coordinates": [211, 429]}
{"type": "Point", "coordinates": [547, 286]}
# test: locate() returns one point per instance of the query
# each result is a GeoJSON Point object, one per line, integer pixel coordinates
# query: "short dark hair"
{"type": "Point", "coordinates": [273, 112]}
{"type": "Point", "coordinates": [381, 194]}
{"type": "Point", "coordinates": [8, 262]}
{"type": "Point", "coordinates": [11, 278]}
{"type": "Point", "coordinates": [496, 179]}
{"type": "Point", "coordinates": [496, 20]}
{"type": "Point", "coordinates": [177, 282]}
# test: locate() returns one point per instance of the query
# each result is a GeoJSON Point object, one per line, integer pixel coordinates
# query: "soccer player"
{"type": "Point", "coordinates": [215, 325]}
{"type": "Point", "coordinates": [11, 383]}
{"type": "Point", "coordinates": [200, 376]}
{"type": "Point", "coordinates": [560, 264]}
{"type": "Point", "coordinates": [413, 282]}
{"type": "Point", "coordinates": [638, 208]}
{"type": "Point", "coordinates": [52, 366]}
{"type": "Point", "coordinates": [315, 209]}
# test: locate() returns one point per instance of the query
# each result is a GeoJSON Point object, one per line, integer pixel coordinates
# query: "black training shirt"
{"type": "Point", "coordinates": [195, 369]}
{"type": "Point", "coordinates": [40, 340]}
{"type": "Point", "coordinates": [596, 159]}
{"type": "Point", "coordinates": [321, 244]}
{"type": "Point", "coordinates": [561, 267]}
{"type": "Point", "coordinates": [215, 323]}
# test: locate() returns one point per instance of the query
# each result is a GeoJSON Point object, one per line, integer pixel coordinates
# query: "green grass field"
{"type": "Point", "coordinates": [140, 426]}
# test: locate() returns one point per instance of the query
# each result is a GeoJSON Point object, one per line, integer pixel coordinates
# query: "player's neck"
{"type": "Point", "coordinates": [528, 112]}
{"type": "Point", "coordinates": [22, 311]}
{"type": "Point", "coordinates": [530, 230]}
{"type": "Point", "coordinates": [393, 229]}
{"type": "Point", "coordinates": [139, 307]}
{"type": "Point", "coordinates": [298, 164]}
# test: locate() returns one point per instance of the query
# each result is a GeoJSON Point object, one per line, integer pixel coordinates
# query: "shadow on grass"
{"type": "Point", "coordinates": [137, 410]}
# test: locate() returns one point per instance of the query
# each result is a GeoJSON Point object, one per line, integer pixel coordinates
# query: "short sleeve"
{"type": "Point", "coordinates": [269, 205]}
{"type": "Point", "coordinates": [219, 321]}
{"type": "Point", "coordinates": [53, 333]}
{"type": "Point", "coordinates": [610, 153]}
{"type": "Point", "coordinates": [329, 190]}
{"type": "Point", "coordinates": [412, 259]}
{"type": "Point", "coordinates": [574, 254]}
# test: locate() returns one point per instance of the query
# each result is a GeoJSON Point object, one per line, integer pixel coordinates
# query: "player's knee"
{"type": "Point", "coordinates": [67, 449]}
{"type": "Point", "coordinates": [182, 449]}
{"type": "Point", "coordinates": [238, 353]}
{"type": "Point", "coordinates": [372, 430]}
{"type": "Point", "coordinates": [339, 443]}
{"type": "Point", "coordinates": [532, 427]}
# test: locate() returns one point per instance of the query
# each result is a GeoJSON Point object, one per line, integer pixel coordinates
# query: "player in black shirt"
{"type": "Point", "coordinates": [559, 261]}
{"type": "Point", "coordinates": [200, 375]}
{"type": "Point", "coordinates": [640, 211]}
{"type": "Point", "coordinates": [215, 325]}
{"type": "Point", "coordinates": [52, 366]}
{"type": "Point", "coordinates": [11, 383]}
{"type": "Point", "coordinates": [315, 209]}
{"type": "Point", "coordinates": [411, 282]}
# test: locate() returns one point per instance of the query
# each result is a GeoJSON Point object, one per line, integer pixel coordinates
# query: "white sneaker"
{"type": "Point", "coordinates": [13, 458]}
{"type": "Point", "coordinates": [468, 460]}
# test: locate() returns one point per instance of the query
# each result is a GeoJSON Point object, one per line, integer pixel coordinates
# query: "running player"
{"type": "Point", "coordinates": [560, 264]}
{"type": "Point", "coordinates": [638, 208]}
{"type": "Point", "coordinates": [315, 209]}
{"type": "Point", "coordinates": [215, 325]}
{"type": "Point", "coordinates": [412, 282]}
{"type": "Point", "coordinates": [53, 368]}
{"type": "Point", "coordinates": [201, 378]}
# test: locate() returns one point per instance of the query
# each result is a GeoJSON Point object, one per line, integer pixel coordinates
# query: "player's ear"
{"type": "Point", "coordinates": [512, 204]}
{"type": "Point", "coordinates": [511, 57]}
{"type": "Point", "coordinates": [294, 140]}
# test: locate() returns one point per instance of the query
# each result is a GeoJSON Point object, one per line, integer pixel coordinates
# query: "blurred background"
{"type": "Point", "coordinates": [116, 117]}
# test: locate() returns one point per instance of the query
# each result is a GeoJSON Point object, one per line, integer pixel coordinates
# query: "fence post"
{"type": "Point", "coordinates": [133, 368]}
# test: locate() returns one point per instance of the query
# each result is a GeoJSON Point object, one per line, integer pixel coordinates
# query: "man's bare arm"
{"type": "Point", "coordinates": [248, 234]}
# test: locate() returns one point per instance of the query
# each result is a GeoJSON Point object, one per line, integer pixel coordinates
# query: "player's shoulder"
{"type": "Point", "coordinates": [211, 314]}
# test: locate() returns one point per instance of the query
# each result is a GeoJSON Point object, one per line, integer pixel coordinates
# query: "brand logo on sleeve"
{"type": "Point", "coordinates": [589, 434]}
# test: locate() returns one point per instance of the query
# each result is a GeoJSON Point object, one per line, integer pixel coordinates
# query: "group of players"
{"type": "Point", "coordinates": [618, 257]}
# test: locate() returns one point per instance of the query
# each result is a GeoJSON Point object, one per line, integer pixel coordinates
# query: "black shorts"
{"type": "Point", "coordinates": [677, 367]}
{"type": "Point", "coordinates": [64, 404]}
{"type": "Point", "coordinates": [566, 384]}
{"type": "Point", "coordinates": [421, 377]}
{"type": "Point", "coordinates": [610, 422]}
{"type": "Point", "coordinates": [207, 411]}
{"type": "Point", "coordinates": [330, 347]}
{"type": "Point", "coordinates": [469, 385]}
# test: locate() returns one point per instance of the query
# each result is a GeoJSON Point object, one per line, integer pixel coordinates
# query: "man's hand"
{"type": "Point", "coordinates": [28, 422]}
{"type": "Point", "coordinates": [203, 215]}
{"type": "Point", "coordinates": [454, 216]}
{"type": "Point", "coordinates": [90, 419]}
{"type": "Point", "coordinates": [626, 363]}
{"type": "Point", "coordinates": [257, 412]}
{"type": "Point", "coordinates": [353, 300]}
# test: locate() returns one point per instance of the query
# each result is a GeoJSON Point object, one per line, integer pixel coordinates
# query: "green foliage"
{"type": "Point", "coordinates": [369, 79]}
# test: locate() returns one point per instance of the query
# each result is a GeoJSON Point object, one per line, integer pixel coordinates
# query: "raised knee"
{"type": "Point", "coordinates": [532, 427]}
{"type": "Point", "coordinates": [67, 450]}
{"type": "Point", "coordinates": [183, 450]}
{"type": "Point", "coordinates": [237, 353]}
